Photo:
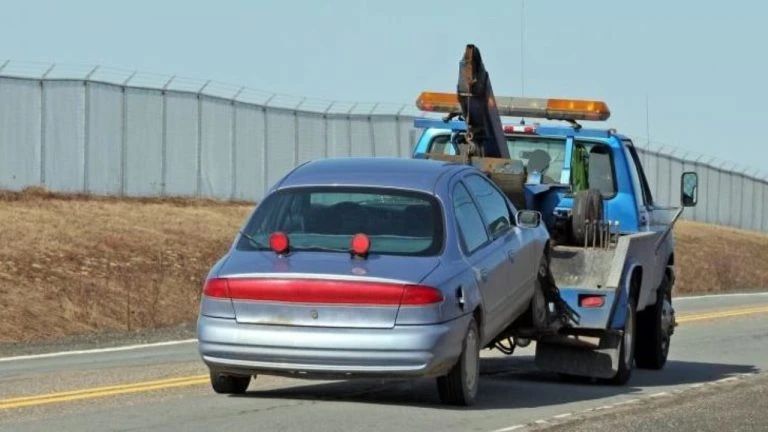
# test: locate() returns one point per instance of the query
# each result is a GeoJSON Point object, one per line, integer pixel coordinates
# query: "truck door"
{"type": "Point", "coordinates": [650, 218]}
{"type": "Point", "coordinates": [643, 198]}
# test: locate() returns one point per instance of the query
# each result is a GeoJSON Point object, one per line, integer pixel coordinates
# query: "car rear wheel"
{"type": "Point", "coordinates": [459, 386]}
{"type": "Point", "coordinates": [229, 384]}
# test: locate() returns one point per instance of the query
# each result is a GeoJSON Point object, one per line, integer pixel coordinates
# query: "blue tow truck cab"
{"type": "Point", "coordinates": [611, 258]}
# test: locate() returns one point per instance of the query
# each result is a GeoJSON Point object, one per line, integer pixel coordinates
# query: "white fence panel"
{"type": "Point", "coordinates": [143, 143]}
{"type": "Point", "coordinates": [181, 139]}
{"type": "Point", "coordinates": [339, 144]}
{"type": "Point", "coordinates": [216, 144]}
{"type": "Point", "coordinates": [250, 162]}
{"type": "Point", "coordinates": [63, 136]}
{"type": "Point", "coordinates": [311, 137]}
{"type": "Point", "coordinates": [281, 145]}
{"type": "Point", "coordinates": [20, 133]}
{"type": "Point", "coordinates": [103, 139]}
{"type": "Point", "coordinates": [385, 136]}
{"type": "Point", "coordinates": [361, 137]}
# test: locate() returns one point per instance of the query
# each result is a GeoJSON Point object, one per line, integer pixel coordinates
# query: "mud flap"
{"type": "Point", "coordinates": [575, 359]}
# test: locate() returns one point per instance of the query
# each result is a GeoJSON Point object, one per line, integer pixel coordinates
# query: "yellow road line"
{"type": "Point", "coordinates": [729, 313]}
{"type": "Point", "coordinates": [187, 381]}
{"type": "Point", "coordinates": [97, 392]}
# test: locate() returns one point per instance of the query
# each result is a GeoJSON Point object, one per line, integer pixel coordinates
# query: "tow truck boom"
{"type": "Point", "coordinates": [485, 133]}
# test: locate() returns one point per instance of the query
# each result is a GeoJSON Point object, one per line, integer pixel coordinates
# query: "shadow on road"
{"type": "Point", "coordinates": [505, 383]}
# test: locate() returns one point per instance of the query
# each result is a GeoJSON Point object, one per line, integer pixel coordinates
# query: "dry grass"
{"type": "Point", "coordinates": [72, 265]}
{"type": "Point", "coordinates": [714, 259]}
{"type": "Point", "coordinates": [77, 265]}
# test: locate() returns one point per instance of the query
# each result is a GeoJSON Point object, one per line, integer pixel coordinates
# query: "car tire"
{"type": "Point", "coordinates": [653, 340]}
{"type": "Point", "coordinates": [626, 347]}
{"type": "Point", "coordinates": [539, 308]}
{"type": "Point", "coordinates": [229, 384]}
{"type": "Point", "coordinates": [587, 206]}
{"type": "Point", "coordinates": [459, 386]}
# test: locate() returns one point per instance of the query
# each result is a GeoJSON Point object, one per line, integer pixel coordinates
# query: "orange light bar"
{"type": "Point", "coordinates": [552, 109]}
{"type": "Point", "coordinates": [438, 102]}
{"type": "Point", "coordinates": [578, 109]}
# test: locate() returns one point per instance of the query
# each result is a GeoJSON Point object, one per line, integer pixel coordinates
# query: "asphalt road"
{"type": "Point", "coordinates": [165, 388]}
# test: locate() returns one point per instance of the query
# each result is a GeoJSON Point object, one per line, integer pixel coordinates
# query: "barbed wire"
{"type": "Point", "coordinates": [244, 94]}
{"type": "Point", "coordinates": [166, 82]}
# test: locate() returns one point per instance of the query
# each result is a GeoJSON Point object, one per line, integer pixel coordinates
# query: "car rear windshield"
{"type": "Point", "coordinates": [325, 219]}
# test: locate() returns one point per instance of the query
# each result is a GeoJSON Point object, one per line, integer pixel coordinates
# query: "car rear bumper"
{"type": "Point", "coordinates": [402, 351]}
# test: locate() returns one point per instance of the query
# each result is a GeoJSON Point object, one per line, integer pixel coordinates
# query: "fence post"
{"type": "Point", "coordinates": [327, 128]}
{"type": "Point", "coordinates": [349, 128]}
{"type": "Point", "coordinates": [164, 143]}
{"type": "Point", "coordinates": [200, 139]}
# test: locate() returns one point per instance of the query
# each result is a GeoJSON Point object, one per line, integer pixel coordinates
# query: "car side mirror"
{"type": "Point", "coordinates": [528, 218]}
{"type": "Point", "coordinates": [689, 185]}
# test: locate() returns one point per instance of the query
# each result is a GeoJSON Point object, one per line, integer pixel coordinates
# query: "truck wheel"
{"type": "Point", "coordinates": [655, 330]}
{"type": "Point", "coordinates": [587, 206]}
{"type": "Point", "coordinates": [627, 347]}
{"type": "Point", "coordinates": [459, 386]}
{"type": "Point", "coordinates": [229, 384]}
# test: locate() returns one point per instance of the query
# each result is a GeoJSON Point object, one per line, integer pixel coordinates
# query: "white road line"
{"type": "Point", "coordinates": [558, 419]}
{"type": "Point", "coordinates": [511, 428]}
{"type": "Point", "coordinates": [98, 350]}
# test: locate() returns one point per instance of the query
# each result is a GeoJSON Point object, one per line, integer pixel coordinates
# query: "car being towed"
{"type": "Point", "coordinates": [371, 267]}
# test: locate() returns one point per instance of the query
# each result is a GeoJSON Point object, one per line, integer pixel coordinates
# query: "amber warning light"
{"type": "Point", "coordinates": [551, 109]}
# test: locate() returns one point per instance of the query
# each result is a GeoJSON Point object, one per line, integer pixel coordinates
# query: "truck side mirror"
{"type": "Point", "coordinates": [528, 219]}
{"type": "Point", "coordinates": [689, 185]}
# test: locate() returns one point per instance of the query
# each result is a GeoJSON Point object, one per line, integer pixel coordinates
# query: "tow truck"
{"type": "Point", "coordinates": [604, 305]}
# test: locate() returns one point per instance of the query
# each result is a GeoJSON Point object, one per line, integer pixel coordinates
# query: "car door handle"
{"type": "Point", "coordinates": [460, 296]}
{"type": "Point", "coordinates": [511, 255]}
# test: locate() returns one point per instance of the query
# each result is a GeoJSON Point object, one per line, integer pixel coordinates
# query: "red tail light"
{"type": "Point", "coordinates": [332, 292]}
{"type": "Point", "coordinates": [360, 244]}
{"type": "Point", "coordinates": [216, 288]}
{"type": "Point", "coordinates": [592, 301]}
{"type": "Point", "coordinates": [519, 129]}
{"type": "Point", "coordinates": [418, 295]}
{"type": "Point", "coordinates": [279, 242]}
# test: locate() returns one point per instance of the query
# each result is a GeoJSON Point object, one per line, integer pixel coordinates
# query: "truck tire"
{"type": "Point", "coordinates": [587, 206]}
{"type": "Point", "coordinates": [459, 386]}
{"type": "Point", "coordinates": [653, 339]}
{"type": "Point", "coordinates": [229, 384]}
{"type": "Point", "coordinates": [626, 347]}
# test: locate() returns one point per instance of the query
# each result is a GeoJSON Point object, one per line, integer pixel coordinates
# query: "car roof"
{"type": "Point", "coordinates": [404, 173]}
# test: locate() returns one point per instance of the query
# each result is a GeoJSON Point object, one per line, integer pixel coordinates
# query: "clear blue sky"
{"type": "Point", "coordinates": [702, 64]}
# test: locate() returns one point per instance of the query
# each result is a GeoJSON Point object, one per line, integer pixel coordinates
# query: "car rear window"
{"type": "Point", "coordinates": [398, 222]}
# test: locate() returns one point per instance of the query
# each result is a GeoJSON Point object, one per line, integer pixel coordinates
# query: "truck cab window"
{"type": "Point", "coordinates": [592, 168]}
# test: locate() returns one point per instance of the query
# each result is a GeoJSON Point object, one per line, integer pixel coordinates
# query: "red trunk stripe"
{"type": "Point", "coordinates": [328, 292]}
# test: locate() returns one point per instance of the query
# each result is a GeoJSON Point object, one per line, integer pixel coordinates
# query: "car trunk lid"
{"type": "Point", "coordinates": [322, 289]}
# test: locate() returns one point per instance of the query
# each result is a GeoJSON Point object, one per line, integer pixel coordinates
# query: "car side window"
{"type": "Point", "coordinates": [492, 204]}
{"type": "Point", "coordinates": [471, 226]}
